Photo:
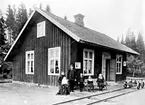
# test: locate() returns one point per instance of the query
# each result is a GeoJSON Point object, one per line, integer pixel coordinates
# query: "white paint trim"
{"type": "Point", "coordinates": [121, 64]}
{"type": "Point", "coordinates": [50, 19]}
{"type": "Point", "coordinates": [54, 58]}
{"type": "Point", "coordinates": [59, 25]}
{"type": "Point", "coordinates": [19, 35]}
{"type": "Point", "coordinates": [93, 54]}
{"type": "Point", "coordinates": [26, 60]}
{"type": "Point", "coordinates": [39, 30]}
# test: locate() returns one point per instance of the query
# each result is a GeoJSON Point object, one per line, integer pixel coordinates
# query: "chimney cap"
{"type": "Point", "coordinates": [79, 19]}
{"type": "Point", "coordinates": [79, 15]}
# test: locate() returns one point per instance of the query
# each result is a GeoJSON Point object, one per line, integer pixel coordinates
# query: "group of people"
{"type": "Point", "coordinates": [66, 84]}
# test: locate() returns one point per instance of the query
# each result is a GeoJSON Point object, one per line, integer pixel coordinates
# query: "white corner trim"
{"type": "Point", "coordinates": [19, 35]}
{"type": "Point", "coordinates": [59, 25]}
{"type": "Point", "coordinates": [50, 19]}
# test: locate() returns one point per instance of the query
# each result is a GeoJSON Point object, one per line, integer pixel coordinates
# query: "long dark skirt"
{"type": "Point", "coordinates": [64, 90]}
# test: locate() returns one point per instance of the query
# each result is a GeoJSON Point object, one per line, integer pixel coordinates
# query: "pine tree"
{"type": "Point", "coordinates": [130, 39]}
{"type": "Point", "coordinates": [40, 5]}
{"type": "Point", "coordinates": [11, 21]}
{"type": "Point", "coordinates": [48, 8]}
{"type": "Point", "coordinates": [141, 46]}
{"type": "Point", "coordinates": [122, 39]}
{"type": "Point", "coordinates": [118, 39]}
{"type": "Point", "coordinates": [21, 17]}
{"type": "Point", "coordinates": [30, 12]}
{"type": "Point", "coordinates": [2, 32]}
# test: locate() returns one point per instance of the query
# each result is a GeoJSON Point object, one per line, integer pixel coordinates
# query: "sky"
{"type": "Point", "coordinates": [111, 17]}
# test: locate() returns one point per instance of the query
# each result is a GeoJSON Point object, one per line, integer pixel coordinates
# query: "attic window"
{"type": "Point", "coordinates": [41, 29]}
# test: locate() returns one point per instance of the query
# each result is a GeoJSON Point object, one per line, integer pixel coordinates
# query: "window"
{"type": "Point", "coordinates": [41, 29]}
{"type": "Point", "coordinates": [88, 62]}
{"type": "Point", "coordinates": [29, 62]}
{"type": "Point", "coordinates": [54, 61]}
{"type": "Point", "coordinates": [119, 64]}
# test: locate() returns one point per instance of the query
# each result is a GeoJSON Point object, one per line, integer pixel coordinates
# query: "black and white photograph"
{"type": "Point", "coordinates": [72, 52]}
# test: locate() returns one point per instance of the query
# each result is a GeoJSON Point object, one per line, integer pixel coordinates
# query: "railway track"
{"type": "Point", "coordinates": [96, 98]}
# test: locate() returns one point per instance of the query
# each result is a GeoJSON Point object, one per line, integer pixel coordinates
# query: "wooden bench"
{"type": "Point", "coordinates": [87, 87]}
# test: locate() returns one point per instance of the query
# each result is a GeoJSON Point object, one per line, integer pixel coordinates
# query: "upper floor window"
{"type": "Point", "coordinates": [29, 68]}
{"type": "Point", "coordinates": [41, 29]}
{"type": "Point", "coordinates": [54, 61]}
{"type": "Point", "coordinates": [88, 62]}
{"type": "Point", "coordinates": [119, 64]}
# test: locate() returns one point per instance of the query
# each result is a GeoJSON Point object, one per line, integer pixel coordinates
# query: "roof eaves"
{"type": "Point", "coordinates": [19, 35]}
{"type": "Point", "coordinates": [71, 34]}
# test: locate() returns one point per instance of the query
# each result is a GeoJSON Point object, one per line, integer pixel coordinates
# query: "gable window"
{"type": "Point", "coordinates": [41, 29]}
{"type": "Point", "coordinates": [119, 64]}
{"type": "Point", "coordinates": [29, 62]}
{"type": "Point", "coordinates": [54, 61]}
{"type": "Point", "coordinates": [88, 62]}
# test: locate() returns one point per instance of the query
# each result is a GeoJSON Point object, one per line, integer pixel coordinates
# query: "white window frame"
{"type": "Point", "coordinates": [41, 29]}
{"type": "Point", "coordinates": [54, 58]}
{"type": "Point", "coordinates": [92, 71]}
{"type": "Point", "coordinates": [31, 59]}
{"type": "Point", "coordinates": [119, 62]}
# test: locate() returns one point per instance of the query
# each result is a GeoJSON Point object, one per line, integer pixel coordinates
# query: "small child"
{"type": "Point", "coordinates": [81, 82]}
{"type": "Point", "coordinates": [90, 84]}
{"type": "Point", "coordinates": [60, 81]}
{"type": "Point", "coordinates": [65, 86]}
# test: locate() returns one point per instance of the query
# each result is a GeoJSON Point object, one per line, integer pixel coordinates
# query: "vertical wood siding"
{"type": "Point", "coordinates": [29, 41]}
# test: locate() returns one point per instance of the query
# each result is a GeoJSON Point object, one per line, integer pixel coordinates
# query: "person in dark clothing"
{"type": "Point", "coordinates": [81, 82]}
{"type": "Point", "coordinates": [60, 81]}
{"type": "Point", "coordinates": [100, 82]}
{"type": "Point", "coordinates": [71, 78]}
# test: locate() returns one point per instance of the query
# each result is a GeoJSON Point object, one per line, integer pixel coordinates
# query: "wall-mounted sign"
{"type": "Point", "coordinates": [124, 63]}
{"type": "Point", "coordinates": [77, 65]}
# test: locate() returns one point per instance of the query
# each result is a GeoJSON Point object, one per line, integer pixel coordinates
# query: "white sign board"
{"type": "Point", "coordinates": [77, 65]}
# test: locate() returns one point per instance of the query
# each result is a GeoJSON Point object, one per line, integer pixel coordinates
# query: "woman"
{"type": "Point", "coordinates": [100, 82]}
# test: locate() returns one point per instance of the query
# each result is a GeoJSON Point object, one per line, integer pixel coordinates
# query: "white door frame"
{"type": "Point", "coordinates": [105, 55]}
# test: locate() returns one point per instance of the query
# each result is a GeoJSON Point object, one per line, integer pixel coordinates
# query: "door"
{"type": "Point", "coordinates": [112, 70]}
{"type": "Point", "coordinates": [108, 69]}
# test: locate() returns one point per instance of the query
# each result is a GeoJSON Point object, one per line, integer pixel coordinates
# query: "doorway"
{"type": "Point", "coordinates": [110, 69]}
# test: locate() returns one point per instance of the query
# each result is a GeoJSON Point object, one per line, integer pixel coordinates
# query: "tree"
{"type": "Point", "coordinates": [48, 8]}
{"type": "Point", "coordinates": [140, 46]}
{"type": "Point", "coordinates": [21, 17]}
{"type": "Point", "coordinates": [11, 22]}
{"type": "Point", "coordinates": [122, 39]}
{"type": "Point", "coordinates": [30, 12]}
{"type": "Point", "coordinates": [40, 5]}
{"type": "Point", "coordinates": [65, 17]}
{"type": "Point", "coordinates": [118, 39]}
{"type": "Point", "coordinates": [2, 32]}
{"type": "Point", "coordinates": [133, 64]}
{"type": "Point", "coordinates": [130, 39]}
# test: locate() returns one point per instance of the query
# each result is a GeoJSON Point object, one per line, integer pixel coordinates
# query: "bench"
{"type": "Point", "coordinates": [94, 86]}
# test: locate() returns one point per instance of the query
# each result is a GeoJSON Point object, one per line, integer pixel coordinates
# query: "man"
{"type": "Point", "coordinates": [71, 77]}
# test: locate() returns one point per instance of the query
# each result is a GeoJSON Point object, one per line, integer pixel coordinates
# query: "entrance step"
{"type": "Point", "coordinates": [111, 83]}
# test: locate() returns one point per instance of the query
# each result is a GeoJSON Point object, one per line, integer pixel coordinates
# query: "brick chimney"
{"type": "Point", "coordinates": [79, 19]}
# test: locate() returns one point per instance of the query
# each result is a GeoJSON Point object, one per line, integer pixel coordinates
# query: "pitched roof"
{"type": "Point", "coordinates": [78, 33]}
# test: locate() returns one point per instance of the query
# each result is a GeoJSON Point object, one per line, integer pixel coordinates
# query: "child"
{"type": "Point", "coordinates": [81, 82]}
{"type": "Point", "coordinates": [60, 81]}
{"type": "Point", "coordinates": [65, 86]}
{"type": "Point", "coordinates": [90, 83]}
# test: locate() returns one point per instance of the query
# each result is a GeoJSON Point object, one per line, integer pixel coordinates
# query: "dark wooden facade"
{"type": "Point", "coordinates": [29, 41]}
{"type": "Point", "coordinates": [71, 52]}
